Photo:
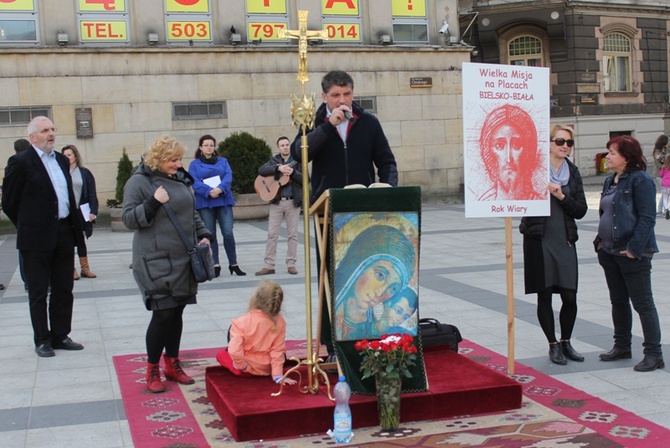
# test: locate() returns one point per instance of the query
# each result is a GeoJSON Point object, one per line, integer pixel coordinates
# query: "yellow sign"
{"type": "Point", "coordinates": [199, 6]}
{"type": "Point", "coordinates": [188, 31]}
{"type": "Point", "coordinates": [408, 8]}
{"type": "Point", "coordinates": [343, 31]}
{"type": "Point", "coordinates": [103, 30]}
{"type": "Point", "coordinates": [339, 7]}
{"type": "Point", "coordinates": [17, 5]}
{"type": "Point", "coordinates": [101, 5]}
{"type": "Point", "coordinates": [265, 30]}
{"type": "Point", "coordinates": [266, 6]}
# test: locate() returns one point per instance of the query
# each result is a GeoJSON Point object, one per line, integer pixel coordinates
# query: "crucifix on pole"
{"type": "Point", "coordinates": [302, 34]}
{"type": "Point", "coordinates": [303, 112]}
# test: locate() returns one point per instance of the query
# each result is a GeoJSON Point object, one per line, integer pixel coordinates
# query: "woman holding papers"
{"type": "Point", "coordinates": [83, 184]}
{"type": "Point", "coordinates": [214, 201]}
{"type": "Point", "coordinates": [549, 254]}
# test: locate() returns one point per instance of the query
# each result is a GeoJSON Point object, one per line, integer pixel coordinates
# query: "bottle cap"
{"type": "Point", "coordinates": [343, 378]}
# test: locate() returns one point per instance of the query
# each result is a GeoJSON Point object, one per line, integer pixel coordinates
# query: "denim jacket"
{"type": "Point", "coordinates": [634, 213]}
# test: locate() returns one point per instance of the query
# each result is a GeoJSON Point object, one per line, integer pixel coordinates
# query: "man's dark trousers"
{"type": "Point", "coordinates": [51, 269]}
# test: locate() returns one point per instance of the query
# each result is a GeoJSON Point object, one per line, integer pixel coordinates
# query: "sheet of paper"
{"type": "Point", "coordinates": [85, 211]}
{"type": "Point", "coordinates": [213, 181]}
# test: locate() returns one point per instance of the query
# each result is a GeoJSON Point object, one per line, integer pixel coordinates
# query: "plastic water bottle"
{"type": "Point", "coordinates": [342, 415]}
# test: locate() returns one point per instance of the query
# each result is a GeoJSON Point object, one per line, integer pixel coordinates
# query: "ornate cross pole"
{"type": "Point", "coordinates": [303, 112]}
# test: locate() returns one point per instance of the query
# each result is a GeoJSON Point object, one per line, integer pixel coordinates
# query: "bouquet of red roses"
{"type": "Point", "coordinates": [387, 357]}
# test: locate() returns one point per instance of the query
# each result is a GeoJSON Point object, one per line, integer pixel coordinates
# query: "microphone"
{"type": "Point", "coordinates": [349, 116]}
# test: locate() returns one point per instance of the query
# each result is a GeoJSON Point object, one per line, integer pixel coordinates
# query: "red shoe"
{"type": "Point", "coordinates": [174, 372]}
{"type": "Point", "coordinates": [154, 383]}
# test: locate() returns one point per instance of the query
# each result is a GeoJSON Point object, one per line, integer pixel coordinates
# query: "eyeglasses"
{"type": "Point", "coordinates": [562, 141]}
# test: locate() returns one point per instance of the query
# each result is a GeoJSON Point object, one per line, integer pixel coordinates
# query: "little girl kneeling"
{"type": "Point", "coordinates": [257, 344]}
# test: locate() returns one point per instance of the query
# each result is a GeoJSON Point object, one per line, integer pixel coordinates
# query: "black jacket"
{"type": "Point", "coordinates": [336, 164]}
{"type": "Point", "coordinates": [574, 205]}
{"type": "Point", "coordinates": [88, 196]}
{"type": "Point", "coordinates": [29, 200]}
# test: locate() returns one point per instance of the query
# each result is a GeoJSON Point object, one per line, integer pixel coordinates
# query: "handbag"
{"type": "Point", "coordinates": [202, 263]}
{"type": "Point", "coordinates": [433, 333]}
{"type": "Point", "coordinates": [201, 258]}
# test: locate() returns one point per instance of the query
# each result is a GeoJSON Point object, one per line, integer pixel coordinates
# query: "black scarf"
{"type": "Point", "coordinates": [211, 160]}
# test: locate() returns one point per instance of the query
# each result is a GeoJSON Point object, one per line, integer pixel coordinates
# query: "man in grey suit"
{"type": "Point", "coordinates": [39, 200]}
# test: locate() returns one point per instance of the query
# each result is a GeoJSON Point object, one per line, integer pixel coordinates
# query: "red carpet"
{"type": "Point", "coordinates": [552, 414]}
{"type": "Point", "coordinates": [457, 386]}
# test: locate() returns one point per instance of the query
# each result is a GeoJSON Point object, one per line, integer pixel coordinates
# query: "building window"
{"type": "Point", "coordinates": [342, 21]}
{"type": "Point", "coordinates": [410, 33]}
{"type": "Point", "coordinates": [526, 51]}
{"type": "Point", "coordinates": [20, 116]}
{"type": "Point", "coordinates": [199, 110]}
{"type": "Point", "coordinates": [18, 31]}
{"type": "Point", "coordinates": [616, 63]}
{"type": "Point", "coordinates": [188, 23]}
{"type": "Point", "coordinates": [19, 22]}
{"type": "Point", "coordinates": [103, 22]}
{"type": "Point", "coordinates": [368, 103]}
{"type": "Point", "coordinates": [265, 20]}
{"type": "Point", "coordinates": [410, 22]}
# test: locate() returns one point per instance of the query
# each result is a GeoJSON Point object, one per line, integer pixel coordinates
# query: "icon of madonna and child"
{"type": "Point", "coordinates": [376, 274]}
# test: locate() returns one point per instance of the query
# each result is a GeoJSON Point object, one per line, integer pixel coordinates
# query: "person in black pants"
{"type": "Point", "coordinates": [39, 200]}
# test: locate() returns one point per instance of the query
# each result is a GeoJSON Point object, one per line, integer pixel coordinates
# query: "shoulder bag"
{"type": "Point", "coordinates": [201, 257]}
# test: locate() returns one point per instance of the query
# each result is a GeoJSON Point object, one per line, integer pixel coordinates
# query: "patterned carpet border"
{"type": "Point", "coordinates": [552, 414]}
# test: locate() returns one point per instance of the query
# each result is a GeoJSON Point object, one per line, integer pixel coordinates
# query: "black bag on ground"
{"type": "Point", "coordinates": [433, 332]}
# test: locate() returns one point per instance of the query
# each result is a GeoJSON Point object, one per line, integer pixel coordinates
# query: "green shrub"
{"type": "Point", "coordinates": [245, 154]}
{"type": "Point", "coordinates": [123, 173]}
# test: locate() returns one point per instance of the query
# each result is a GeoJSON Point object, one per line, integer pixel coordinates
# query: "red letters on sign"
{"type": "Point", "coordinates": [349, 3]}
{"type": "Point", "coordinates": [100, 31]}
{"type": "Point", "coordinates": [109, 5]}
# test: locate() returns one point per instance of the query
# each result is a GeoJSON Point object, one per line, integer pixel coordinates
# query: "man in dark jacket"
{"type": "Point", "coordinates": [345, 146]}
{"type": "Point", "coordinates": [346, 143]}
{"type": "Point", "coordinates": [39, 200]}
{"type": "Point", "coordinates": [282, 172]}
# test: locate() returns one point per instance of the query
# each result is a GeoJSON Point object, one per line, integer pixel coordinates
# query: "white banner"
{"type": "Point", "coordinates": [505, 140]}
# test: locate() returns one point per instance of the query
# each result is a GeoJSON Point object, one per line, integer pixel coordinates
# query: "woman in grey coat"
{"type": "Point", "coordinates": [161, 263]}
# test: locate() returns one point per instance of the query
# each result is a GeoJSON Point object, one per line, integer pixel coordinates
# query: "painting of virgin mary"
{"type": "Point", "coordinates": [378, 264]}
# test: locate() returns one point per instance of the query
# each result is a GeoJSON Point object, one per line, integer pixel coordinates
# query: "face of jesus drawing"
{"type": "Point", "coordinates": [508, 147]}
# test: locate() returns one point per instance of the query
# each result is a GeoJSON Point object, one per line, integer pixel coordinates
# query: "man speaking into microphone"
{"type": "Point", "coordinates": [347, 143]}
{"type": "Point", "coordinates": [345, 146]}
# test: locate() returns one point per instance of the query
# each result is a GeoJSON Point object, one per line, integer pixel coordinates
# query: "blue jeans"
{"type": "Point", "coordinates": [629, 281]}
{"type": "Point", "coordinates": [225, 217]}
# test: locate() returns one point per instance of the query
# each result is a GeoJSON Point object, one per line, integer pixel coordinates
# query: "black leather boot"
{"type": "Point", "coordinates": [570, 352]}
{"type": "Point", "coordinates": [649, 363]}
{"type": "Point", "coordinates": [556, 355]}
{"type": "Point", "coordinates": [615, 354]}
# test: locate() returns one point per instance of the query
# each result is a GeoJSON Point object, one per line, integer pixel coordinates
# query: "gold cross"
{"type": "Point", "coordinates": [302, 34]}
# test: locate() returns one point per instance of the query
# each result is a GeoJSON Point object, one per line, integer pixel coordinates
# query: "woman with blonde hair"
{"type": "Point", "coordinates": [161, 264]}
{"type": "Point", "coordinates": [549, 253]}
